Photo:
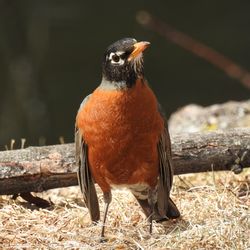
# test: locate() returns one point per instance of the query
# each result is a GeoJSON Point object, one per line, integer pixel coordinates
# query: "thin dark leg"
{"type": "Point", "coordinates": [107, 199]}
{"type": "Point", "coordinates": [151, 223]}
{"type": "Point", "coordinates": [151, 202]}
{"type": "Point", "coordinates": [104, 219]}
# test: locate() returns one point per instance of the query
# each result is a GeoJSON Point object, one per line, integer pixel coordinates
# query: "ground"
{"type": "Point", "coordinates": [214, 207]}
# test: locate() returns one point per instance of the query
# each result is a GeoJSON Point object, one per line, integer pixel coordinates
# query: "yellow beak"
{"type": "Point", "coordinates": [138, 48]}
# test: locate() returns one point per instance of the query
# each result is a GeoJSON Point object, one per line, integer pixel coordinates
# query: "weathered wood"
{"type": "Point", "coordinates": [41, 168]}
{"type": "Point", "coordinates": [211, 151]}
{"type": "Point", "coordinates": [37, 169]}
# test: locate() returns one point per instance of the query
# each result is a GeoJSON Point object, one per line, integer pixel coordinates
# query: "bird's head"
{"type": "Point", "coordinates": [123, 62]}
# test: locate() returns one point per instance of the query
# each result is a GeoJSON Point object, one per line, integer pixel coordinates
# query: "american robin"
{"type": "Point", "coordinates": [122, 138]}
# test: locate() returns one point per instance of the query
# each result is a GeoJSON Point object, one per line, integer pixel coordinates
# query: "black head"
{"type": "Point", "coordinates": [123, 61]}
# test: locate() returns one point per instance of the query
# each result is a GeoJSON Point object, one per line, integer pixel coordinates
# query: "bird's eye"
{"type": "Point", "coordinates": [115, 58]}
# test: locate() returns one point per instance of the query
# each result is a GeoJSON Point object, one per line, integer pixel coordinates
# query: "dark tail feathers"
{"type": "Point", "coordinates": [171, 213]}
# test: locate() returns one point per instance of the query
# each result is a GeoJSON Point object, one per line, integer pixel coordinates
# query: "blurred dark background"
{"type": "Point", "coordinates": [51, 52]}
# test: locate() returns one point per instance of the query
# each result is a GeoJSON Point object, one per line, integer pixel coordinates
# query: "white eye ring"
{"type": "Point", "coordinates": [114, 56]}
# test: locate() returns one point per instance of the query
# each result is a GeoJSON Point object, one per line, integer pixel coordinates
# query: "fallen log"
{"type": "Point", "coordinates": [37, 169]}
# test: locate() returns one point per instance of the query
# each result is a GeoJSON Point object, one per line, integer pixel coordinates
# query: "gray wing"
{"type": "Point", "coordinates": [165, 205]}
{"type": "Point", "coordinates": [85, 179]}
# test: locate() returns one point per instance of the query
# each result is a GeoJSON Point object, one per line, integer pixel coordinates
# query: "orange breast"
{"type": "Point", "coordinates": [122, 129]}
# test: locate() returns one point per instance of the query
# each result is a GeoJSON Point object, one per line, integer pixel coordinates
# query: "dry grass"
{"type": "Point", "coordinates": [214, 207]}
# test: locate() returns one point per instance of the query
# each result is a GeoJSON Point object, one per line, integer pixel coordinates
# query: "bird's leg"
{"type": "Point", "coordinates": [151, 201]}
{"type": "Point", "coordinates": [107, 199]}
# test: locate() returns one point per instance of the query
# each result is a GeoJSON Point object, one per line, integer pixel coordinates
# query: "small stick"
{"type": "Point", "coordinates": [194, 46]}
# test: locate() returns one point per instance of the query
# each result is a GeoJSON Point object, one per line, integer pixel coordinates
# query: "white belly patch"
{"type": "Point", "coordinates": [140, 190]}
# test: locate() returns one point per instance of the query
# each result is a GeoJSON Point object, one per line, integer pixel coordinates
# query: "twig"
{"type": "Point", "coordinates": [188, 43]}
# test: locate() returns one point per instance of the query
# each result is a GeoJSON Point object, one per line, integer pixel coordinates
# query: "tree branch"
{"type": "Point", "coordinates": [36, 169]}
{"type": "Point", "coordinates": [194, 46]}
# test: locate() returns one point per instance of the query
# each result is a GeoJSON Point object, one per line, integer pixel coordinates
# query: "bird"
{"type": "Point", "coordinates": [122, 138]}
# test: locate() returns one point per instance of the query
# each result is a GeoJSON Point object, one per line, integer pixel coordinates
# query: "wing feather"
{"type": "Point", "coordinates": [85, 178]}
{"type": "Point", "coordinates": [165, 170]}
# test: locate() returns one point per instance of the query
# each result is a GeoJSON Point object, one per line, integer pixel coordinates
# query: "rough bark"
{"type": "Point", "coordinates": [36, 169]}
